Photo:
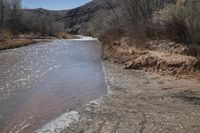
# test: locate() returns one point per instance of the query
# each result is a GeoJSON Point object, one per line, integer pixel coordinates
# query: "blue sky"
{"type": "Point", "coordinates": [53, 4]}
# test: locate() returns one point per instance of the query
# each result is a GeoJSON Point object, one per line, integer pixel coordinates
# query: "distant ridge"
{"type": "Point", "coordinates": [75, 20]}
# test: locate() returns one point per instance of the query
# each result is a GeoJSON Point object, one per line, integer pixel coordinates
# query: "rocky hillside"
{"type": "Point", "coordinates": [75, 20]}
{"type": "Point", "coordinates": [40, 12]}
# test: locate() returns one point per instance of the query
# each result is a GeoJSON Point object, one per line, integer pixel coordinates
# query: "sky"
{"type": "Point", "coordinates": [53, 4]}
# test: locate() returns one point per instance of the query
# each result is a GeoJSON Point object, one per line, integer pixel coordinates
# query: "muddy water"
{"type": "Point", "coordinates": [40, 82]}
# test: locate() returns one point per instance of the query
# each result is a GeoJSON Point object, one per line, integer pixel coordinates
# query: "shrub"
{"type": "Point", "coordinates": [5, 34]}
{"type": "Point", "coordinates": [182, 21]}
{"type": "Point", "coordinates": [137, 18]}
{"type": "Point", "coordinates": [108, 30]}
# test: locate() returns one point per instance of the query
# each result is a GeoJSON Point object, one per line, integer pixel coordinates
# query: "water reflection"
{"type": "Point", "coordinates": [40, 82]}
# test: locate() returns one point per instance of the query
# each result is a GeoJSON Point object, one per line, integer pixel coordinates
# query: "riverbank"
{"type": "Point", "coordinates": [15, 43]}
{"type": "Point", "coordinates": [25, 40]}
{"type": "Point", "coordinates": [158, 56]}
{"type": "Point", "coordinates": [141, 102]}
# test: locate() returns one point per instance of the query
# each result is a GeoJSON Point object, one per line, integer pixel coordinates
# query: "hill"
{"type": "Point", "coordinates": [74, 20]}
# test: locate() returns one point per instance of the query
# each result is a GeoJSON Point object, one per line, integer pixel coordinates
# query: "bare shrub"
{"type": "Point", "coordinates": [106, 28]}
{"type": "Point", "coordinates": [182, 21]}
{"type": "Point", "coordinates": [106, 25]}
{"type": "Point", "coordinates": [3, 5]}
{"type": "Point", "coordinates": [5, 34]}
{"type": "Point", "coordinates": [44, 26]}
{"type": "Point", "coordinates": [136, 16]}
{"type": "Point", "coordinates": [56, 28]}
{"type": "Point", "coordinates": [10, 16]}
{"type": "Point", "coordinates": [14, 19]}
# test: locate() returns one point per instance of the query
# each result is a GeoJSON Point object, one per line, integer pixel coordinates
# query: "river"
{"type": "Point", "coordinates": [38, 83]}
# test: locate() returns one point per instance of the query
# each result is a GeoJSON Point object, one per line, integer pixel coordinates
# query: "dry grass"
{"type": "Point", "coordinates": [15, 43]}
{"type": "Point", "coordinates": [163, 58]}
{"type": "Point", "coordinates": [8, 41]}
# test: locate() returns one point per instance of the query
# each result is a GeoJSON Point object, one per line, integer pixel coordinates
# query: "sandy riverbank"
{"type": "Point", "coordinates": [141, 102]}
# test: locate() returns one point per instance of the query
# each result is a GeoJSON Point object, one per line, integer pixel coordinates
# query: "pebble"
{"type": "Point", "coordinates": [1, 116]}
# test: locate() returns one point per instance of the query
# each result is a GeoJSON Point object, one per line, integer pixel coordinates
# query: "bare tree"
{"type": "Point", "coordinates": [14, 6]}
{"type": "Point", "coordinates": [110, 4]}
{"type": "Point", "coordinates": [3, 6]}
{"type": "Point", "coordinates": [136, 16]}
